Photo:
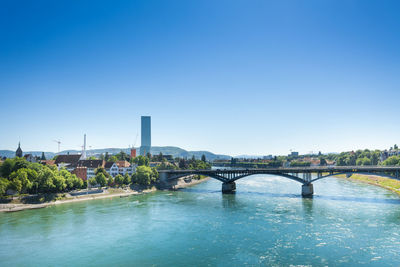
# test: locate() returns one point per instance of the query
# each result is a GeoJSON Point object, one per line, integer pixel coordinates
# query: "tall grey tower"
{"type": "Point", "coordinates": [146, 136]}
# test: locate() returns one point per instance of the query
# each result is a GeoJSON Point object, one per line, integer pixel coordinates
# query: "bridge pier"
{"type": "Point", "coordinates": [228, 187]}
{"type": "Point", "coordinates": [307, 190]}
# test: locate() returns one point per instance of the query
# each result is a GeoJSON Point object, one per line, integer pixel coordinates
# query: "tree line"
{"type": "Point", "coordinates": [144, 176]}
{"type": "Point", "coordinates": [24, 177]}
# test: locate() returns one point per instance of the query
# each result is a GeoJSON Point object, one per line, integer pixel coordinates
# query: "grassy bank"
{"type": "Point", "coordinates": [387, 183]}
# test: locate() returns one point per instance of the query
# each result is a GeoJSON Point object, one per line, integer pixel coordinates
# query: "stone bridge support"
{"type": "Point", "coordinates": [163, 177]}
{"type": "Point", "coordinates": [307, 190]}
{"type": "Point", "coordinates": [228, 187]}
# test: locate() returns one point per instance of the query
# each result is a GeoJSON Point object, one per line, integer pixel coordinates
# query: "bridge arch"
{"type": "Point", "coordinates": [225, 179]}
{"type": "Point", "coordinates": [228, 177]}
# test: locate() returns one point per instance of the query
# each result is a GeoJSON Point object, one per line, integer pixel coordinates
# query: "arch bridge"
{"type": "Point", "coordinates": [304, 175]}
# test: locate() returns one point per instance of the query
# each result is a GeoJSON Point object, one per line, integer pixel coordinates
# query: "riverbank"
{"type": "Point", "coordinates": [182, 183]}
{"type": "Point", "coordinates": [107, 193]}
{"type": "Point", "coordinates": [68, 198]}
{"type": "Point", "coordinates": [387, 183]}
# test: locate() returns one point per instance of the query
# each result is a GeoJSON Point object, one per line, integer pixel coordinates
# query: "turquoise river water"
{"type": "Point", "coordinates": [266, 223]}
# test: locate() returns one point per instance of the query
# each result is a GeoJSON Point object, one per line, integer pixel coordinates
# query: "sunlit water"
{"type": "Point", "coordinates": [265, 223]}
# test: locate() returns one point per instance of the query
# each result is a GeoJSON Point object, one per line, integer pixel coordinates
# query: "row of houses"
{"type": "Point", "coordinates": [389, 153]}
{"type": "Point", "coordinates": [85, 168]}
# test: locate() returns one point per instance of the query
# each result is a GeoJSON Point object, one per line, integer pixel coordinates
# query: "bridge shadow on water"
{"type": "Point", "coordinates": [298, 196]}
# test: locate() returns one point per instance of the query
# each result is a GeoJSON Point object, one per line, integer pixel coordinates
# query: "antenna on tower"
{"type": "Point", "coordinates": [58, 142]}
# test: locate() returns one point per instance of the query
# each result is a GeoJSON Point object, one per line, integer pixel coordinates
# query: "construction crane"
{"type": "Point", "coordinates": [135, 140]}
{"type": "Point", "coordinates": [58, 142]}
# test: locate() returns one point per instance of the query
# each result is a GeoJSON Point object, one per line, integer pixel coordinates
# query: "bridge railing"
{"type": "Point", "coordinates": [295, 169]}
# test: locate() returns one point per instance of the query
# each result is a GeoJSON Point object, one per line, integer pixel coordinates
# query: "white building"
{"type": "Point", "coordinates": [120, 167]}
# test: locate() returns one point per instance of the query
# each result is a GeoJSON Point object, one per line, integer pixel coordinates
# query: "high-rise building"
{"type": "Point", "coordinates": [145, 136]}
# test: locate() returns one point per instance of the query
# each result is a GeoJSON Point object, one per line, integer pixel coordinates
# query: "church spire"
{"type": "Point", "coordinates": [18, 153]}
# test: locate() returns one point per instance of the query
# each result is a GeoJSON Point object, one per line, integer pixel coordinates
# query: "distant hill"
{"type": "Point", "coordinates": [11, 154]}
{"type": "Point", "coordinates": [166, 150]}
{"type": "Point", "coordinates": [249, 157]}
{"type": "Point", "coordinates": [179, 152]}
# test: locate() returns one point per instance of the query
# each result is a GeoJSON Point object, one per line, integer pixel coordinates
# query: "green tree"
{"type": "Point", "coordinates": [375, 157]}
{"type": "Point", "coordinates": [295, 163]}
{"type": "Point", "coordinates": [68, 178]}
{"type": "Point", "coordinates": [93, 181]}
{"type": "Point", "coordinates": [59, 183]}
{"type": "Point", "coordinates": [46, 184]}
{"type": "Point", "coordinates": [110, 181]}
{"type": "Point", "coordinates": [101, 179]}
{"type": "Point", "coordinates": [392, 161]}
{"type": "Point", "coordinates": [20, 163]}
{"type": "Point", "coordinates": [203, 158]}
{"type": "Point", "coordinates": [166, 166]}
{"type": "Point", "coordinates": [159, 157]}
{"type": "Point", "coordinates": [16, 185]}
{"type": "Point", "coordinates": [6, 168]}
{"type": "Point", "coordinates": [22, 176]}
{"type": "Point", "coordinates": [366, 161]}
{"type": "Point", "coordinates": [351, 160]}
{"type": "Point", "coordinates": [341, 160]}
{"type": "Point", "coordinates": [4, 184]}
{"type": "Point", "coordinates": [112, 159]}
{"type": "Point", "coordinates": [122, 156]}
{"type": "Point", "coordinates": [145, 175]}
{"type": "Point", "coordinates": [363, 161]}
{"type": "Point", "coordinates": [119, 180]}
{"type": "Point", "coordinates": [27, 177]}
{"type": "Point", "coordinates": [154, 175]}
{"type": "Point", "coordinates": [71, 180]}
{"type": "Point", "coordinates": [78, 182]}
{"type": "Point", "coordinates": [101, 170]}
{"type": "Point", "coordinates": [141, 161]}
{"type": "Point", "coordinates": [127, 179]}
{"type": "Point", "coordinates": [183, 164]}
{"type": "Point", "coordinates": [43, 156]}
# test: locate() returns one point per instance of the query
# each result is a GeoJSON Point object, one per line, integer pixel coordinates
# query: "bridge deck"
{"type": "Point", "coordinates": [294, 170]}
{"type": "Point", "coordinates": [231, 175]}
{"type": "Point", "coordinates": [299, 174]}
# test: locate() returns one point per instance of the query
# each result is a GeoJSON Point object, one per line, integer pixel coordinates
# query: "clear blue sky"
{"type": "Point", "coordinates": [232, 77]}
